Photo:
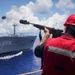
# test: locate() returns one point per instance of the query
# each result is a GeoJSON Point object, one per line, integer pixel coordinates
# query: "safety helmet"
{"type": "Point", "coordinates": [70, 20]}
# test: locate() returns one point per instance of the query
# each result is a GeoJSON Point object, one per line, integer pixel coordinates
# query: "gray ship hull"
{"type": "Point", "coordinates": [10, 44]}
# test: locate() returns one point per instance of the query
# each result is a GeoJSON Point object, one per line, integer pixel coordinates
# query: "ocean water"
{"type": "Point", "coordinates": [19, 63]}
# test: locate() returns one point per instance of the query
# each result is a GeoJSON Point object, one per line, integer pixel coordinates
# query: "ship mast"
{"type": "Point", "coordinates": [14, 29]}
{"type": "Point", "coordinates": [14, 33]}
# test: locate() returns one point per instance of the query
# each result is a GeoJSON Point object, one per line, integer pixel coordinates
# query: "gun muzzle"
{"type": "Point", "coordinates": [24, 22]}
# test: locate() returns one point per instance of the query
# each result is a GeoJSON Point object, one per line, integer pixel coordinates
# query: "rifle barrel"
{"type": "Point", "coordinates": [52, 30]}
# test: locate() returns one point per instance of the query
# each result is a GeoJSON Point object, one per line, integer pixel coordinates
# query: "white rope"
{"type": "Point", "coordinates": [29, 73]}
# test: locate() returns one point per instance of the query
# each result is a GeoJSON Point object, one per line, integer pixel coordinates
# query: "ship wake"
{"type": "Point", "coordinates": [9, 56]}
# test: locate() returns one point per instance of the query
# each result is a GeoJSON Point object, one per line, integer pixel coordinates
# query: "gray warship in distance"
{"type": "Point", "coordinates": [15, 43]}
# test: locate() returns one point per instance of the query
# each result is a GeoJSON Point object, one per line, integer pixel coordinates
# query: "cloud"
{"type": "Point", "coordinates": [65, 5]}
{"type": "Point", "coordinates": [55, 21]}
{"type": "Point", "coordinates": [41, 6]}
{"type": "Point", "coordinates": [25, 12]}
{"type": "Point", "coordinates": [14, 16]}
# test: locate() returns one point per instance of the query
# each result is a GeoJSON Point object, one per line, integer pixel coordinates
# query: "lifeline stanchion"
{"type": "Point", "coordinates": [29, 73]}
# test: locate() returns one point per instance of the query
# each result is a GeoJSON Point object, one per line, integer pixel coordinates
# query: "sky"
{"type": "Point", "coordinates": [51, 13]}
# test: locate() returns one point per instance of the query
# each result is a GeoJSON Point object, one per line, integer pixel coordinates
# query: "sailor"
{"type": "Point", "coordinates": [58, 53]}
